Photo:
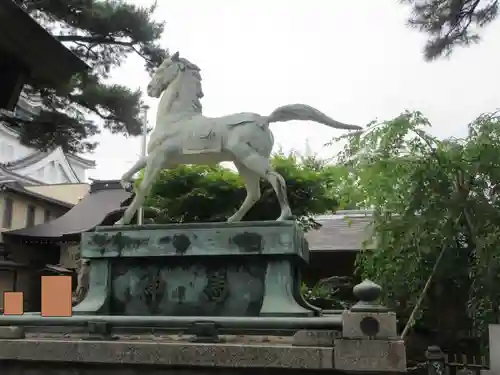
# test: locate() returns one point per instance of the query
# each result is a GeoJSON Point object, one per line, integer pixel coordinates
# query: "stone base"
{"type": "Point", "coordinates": [308, 337]}
{"type": "Point", "coordinates": [212, 269]}
{"type": "Point", "coordinates": [164, 354]}
{"type": "Point", "coordinates": [174, 355]}
{"type": "Point", "coordinates": [12, 332]}
{"type": "Point", "coordinates": [370, 355]}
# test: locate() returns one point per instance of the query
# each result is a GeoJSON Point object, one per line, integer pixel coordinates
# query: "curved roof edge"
{"type": "Point", "coordinates": [39, 155]}
{"type": "Point", "coordinates": [104, 198]}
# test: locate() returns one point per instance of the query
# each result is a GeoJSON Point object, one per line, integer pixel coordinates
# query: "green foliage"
{"type": "Point", "coordinates": [102, 33]}
{"type": "Point", "coordinates": [317, 291]}
{"type": "Point", "coordinates": [449, 22]}
{"type": "Point", "coordinates": [429, 195]}
{"type": "Point", "coordinates": [196, 193]}
{"type": "Point", "coordinates": [333, 293]}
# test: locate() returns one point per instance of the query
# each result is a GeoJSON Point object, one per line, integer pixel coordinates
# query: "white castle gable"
{"type": "Point", "coordinates": [31, 166]}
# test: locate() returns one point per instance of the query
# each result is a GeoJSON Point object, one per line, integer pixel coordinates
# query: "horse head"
{"type": "Point", "coordinates": [168, 71]}
{"type": "Point", "coordinates": [164, 75]}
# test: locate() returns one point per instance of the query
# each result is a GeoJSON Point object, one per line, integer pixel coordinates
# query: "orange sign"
{"type": "Point", "coordinates": [13, 303]}
{"type": "Point", "coordinates": [56, 296]}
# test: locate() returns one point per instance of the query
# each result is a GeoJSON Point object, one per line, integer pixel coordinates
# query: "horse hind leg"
{"type": "Point", "coordinates": [279, 186]}
{"type": "Point", "coordinates": [252, 184]}
{"type": "Point", "coordinates": [259, 164]}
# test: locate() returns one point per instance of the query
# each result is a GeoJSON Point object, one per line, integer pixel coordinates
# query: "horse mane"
{"type": "Point", "coordinates": [194, 71]}
{"type": "Point", "coordinates": [189, 65]}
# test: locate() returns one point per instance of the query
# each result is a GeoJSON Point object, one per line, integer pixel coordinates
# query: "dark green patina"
{"type": "Point", "coordinates": [213, 269]}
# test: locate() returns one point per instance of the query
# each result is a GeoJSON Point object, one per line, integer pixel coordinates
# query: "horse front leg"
{"type": "Point", "coordinates": [127, 178]}
{"type": "Point", "coordinates": [153, 168]}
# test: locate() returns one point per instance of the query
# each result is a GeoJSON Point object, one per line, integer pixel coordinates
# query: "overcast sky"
{"type": "Point", "coordinates": [354, 60]}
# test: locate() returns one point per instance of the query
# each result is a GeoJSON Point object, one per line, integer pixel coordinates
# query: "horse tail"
{"type": "Point", "coordinates": [306, 113]}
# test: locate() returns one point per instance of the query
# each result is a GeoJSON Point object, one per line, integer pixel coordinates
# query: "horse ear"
{"type": "Point", "coordinates": [175, 57]}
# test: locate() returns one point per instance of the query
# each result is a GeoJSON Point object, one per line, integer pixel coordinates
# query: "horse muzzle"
{"type": "Point", "coordinates": [153, 92]}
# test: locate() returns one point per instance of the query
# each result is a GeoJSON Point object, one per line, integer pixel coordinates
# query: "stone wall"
{"type": "Point", "coordinates": [47, 368]}
{"type": "Point", "coordinates": [307, 351]}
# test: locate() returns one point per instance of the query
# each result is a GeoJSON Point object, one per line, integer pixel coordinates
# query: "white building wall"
{"type": "Point", "coordinates": [79, 171]}
{"type": "Point", "coordinates": [49, 173]}
{"type": "Point", "coordinates": [11, 149]}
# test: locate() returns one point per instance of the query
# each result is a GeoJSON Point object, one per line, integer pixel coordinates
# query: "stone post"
{"type": "Point", "coordinates": [435, 361]}
{"type": "Point", "coordinates": [369, 335]}
{"type": "Point", "coordinates": [494, 346]}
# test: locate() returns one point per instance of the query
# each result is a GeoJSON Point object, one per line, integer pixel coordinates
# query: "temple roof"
{"type": "Point", "coordinates": [24, 166]}
{"type": "Point", "coordinates": [40, 155]}
{"type": "Point", "coordinates": [104, 199]}
{"type": "Point", "coordinates": [36, 155]}
{"type": "Point", "coordinates": [7, 175]}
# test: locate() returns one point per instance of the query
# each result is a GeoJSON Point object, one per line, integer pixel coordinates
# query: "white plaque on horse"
{"type": "Point", "coordinates": [202, 142]}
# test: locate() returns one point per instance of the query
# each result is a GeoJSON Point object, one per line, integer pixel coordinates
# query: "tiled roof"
{"type": "Point", "coordinates": [39, 155]}
{"type": "Point", "coordinates": [7, 175]}
{"type": "Point", "coordinates": [36, 155]}
{"type": "Point", "coordinates": [27, 160]}
{"type": "Point", "coordinates": [343, 231]}
{"type": "Point", "coordinates": [104, 198]}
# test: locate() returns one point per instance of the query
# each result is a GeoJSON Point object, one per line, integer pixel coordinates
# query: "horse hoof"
{"type": "Point", "coordinates": [128, 187]}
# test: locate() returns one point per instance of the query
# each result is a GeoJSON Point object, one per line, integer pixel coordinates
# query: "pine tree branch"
{"type": "Point", "coordinates": [91, 108]}
{"type": "Point", "coordinates": [95, 40]}
{"type": "Point", "coordinates": [92, 40]}
{"type": "Point", "coordinates": [142, 55]}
